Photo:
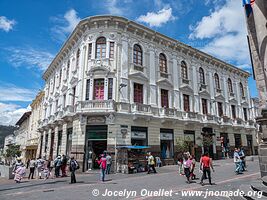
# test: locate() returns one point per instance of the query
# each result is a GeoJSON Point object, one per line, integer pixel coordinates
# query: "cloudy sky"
{"type": "Point", "coordinates": [32, 32]}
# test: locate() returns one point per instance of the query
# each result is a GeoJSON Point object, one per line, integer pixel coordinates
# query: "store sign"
{"type": "Point", "coordinates": [138, 135]}
{"type": "Point", "coordinates": [166, 136]}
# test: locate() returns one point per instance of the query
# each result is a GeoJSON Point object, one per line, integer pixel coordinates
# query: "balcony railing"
{"type": "Point", "coordinates": [98, 105]}
{"type": "Point", "coordinates": [203, 87]}
{"type": "Point", "coordinates": [232, 94]}
{"type": "Point", "coordinates": [138, 68]}
{"type": "Point", "coordinates": [170, 112]}
{"type": "Point", "coordinates": [164, 75]}
{"type": "Point", "coordinates": [141, 108]}
{"type": "Point", "coordinates": [189, 115]}
{"type": "Point", "coordinates": [185, 81]}
{"type": "Point", "coordinates": [218, 90]}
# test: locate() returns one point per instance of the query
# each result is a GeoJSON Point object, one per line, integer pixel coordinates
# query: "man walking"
{"type": "Point", "coordinates": [73, 167]}
{"type": "Point", "coordinates": [32, 166]}
{"type": "Point", "coordinates": [238, 162]}
{"type": "Point", "coordinates": [40, 165]}
{"type": "Point", "coordinates": [109, 162]}
{"type": "Point", "coordinates": [151, 163]}
{"type": "Point", "coordinates": [205, 165]}
{"type": "Point", "coordinates": [64, 165]}
{"type": "Point", "coordinates": [57, 163]}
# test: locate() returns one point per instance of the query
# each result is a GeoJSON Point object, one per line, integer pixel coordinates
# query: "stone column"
{"type": "Point", "coordinates": [55, 142]}
{"type": "Point", "coordinates": [43, 148]}
{"type": "Point", "coordinates": [49, 144]}
{"type": "Point", "coordinates": [64, 139]}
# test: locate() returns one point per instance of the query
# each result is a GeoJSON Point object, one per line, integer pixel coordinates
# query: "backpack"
{"type": "Point", "coordinates": [77, 165]}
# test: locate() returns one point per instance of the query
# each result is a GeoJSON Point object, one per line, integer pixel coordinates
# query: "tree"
{"type": "Point", "coordinates": [182, 145]}
{"type": "Point", "coordinates": [13, 151]}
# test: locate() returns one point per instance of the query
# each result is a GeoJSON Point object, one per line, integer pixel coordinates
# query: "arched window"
{"type": "Point", "coordinates": [163, 63]}
{"type": "Point", "coordinates": [242, 93]}
{"type": "Point", "coordinates": [78, 57]}
{"type": "Point", "coordinates": [217, 81]}
{"type": "Point", "coordinates": [230, 86]}
{"type": "Point", "coordinates": [101, 48]}
{"type": "Point", "coordinates": [184, 70]}
{"type": "Point", "coordinates": [201, 75]}
{"type": "Point", "coordinates": [137, 55]}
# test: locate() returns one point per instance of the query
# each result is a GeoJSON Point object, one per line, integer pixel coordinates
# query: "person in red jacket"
{"type": "Point", "coordinates": [103, 165]}
{"type": "Point", "coordinates": [206, 165]}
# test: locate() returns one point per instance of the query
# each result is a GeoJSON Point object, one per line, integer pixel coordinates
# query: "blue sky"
{"type": "Point", "coordinates": [32, 32]}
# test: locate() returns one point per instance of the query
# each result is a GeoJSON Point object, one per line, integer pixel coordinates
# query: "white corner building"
{"type": "Point", "coordinates": [115, 82]}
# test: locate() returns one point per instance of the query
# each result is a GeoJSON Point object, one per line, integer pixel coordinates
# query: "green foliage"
{"type": "Point", "coordinates": [13, 151]}
{"type": "Point", "coordinates": [182, 144]}
{"type": "Point", "coordinates": [4, 131]}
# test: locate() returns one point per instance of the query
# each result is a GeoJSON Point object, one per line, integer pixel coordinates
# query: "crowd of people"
{"type": "Point", "coordinates": [186, 166]}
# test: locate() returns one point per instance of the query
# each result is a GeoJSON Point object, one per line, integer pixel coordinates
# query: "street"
{"type": "Point", "coordinates": [166, 184]}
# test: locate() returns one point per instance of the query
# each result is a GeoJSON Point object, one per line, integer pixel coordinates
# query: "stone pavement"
{"type": "Point", "coordinates": [166, 179]}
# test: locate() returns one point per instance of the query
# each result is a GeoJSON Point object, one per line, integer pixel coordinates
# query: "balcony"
{"type": "Point", "coordinates": [68, 111]}
{"type": "Point", "coordinates": [164, 75]}
{"type": "Point", "coordinates": [189, 115]}
{"type": "Point", "coordinates": [232, 94]}
{"type": "Point", "coordinates": [95, 106]}
{"type": "Point", "coordinates": [140, 108]}
{"type": "Point", "coordinates": [203, 86]}
{"type": "Point", "coordinates": [169, 112]}
{"type": "Point", "coordinates": [185, 81]}
{"type": "Point", "coordinates": [218, 90]}
{"type": "Point", "coordinates": [32, 142]}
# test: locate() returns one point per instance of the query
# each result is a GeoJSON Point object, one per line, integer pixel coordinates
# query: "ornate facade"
{"type": "Point", "coordinates": [116, 82]}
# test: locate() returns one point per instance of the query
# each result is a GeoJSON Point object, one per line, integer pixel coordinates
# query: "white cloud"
{"type": "Point", "coordinates": [113, 8]}
{"type": "Point", "coordinates": [65, 26]}
{"type": "Point", "coordinates": [10, 92]}
{"type": "Point", "coordinates": [225, 30]}
{"type": "Point", "coordinates": [6, 24]}
{"type": "Point", "coordinates": [157, 19]}
{"type": "Point", "coordinates": [29, 57]}
{"type": "Point", "coordinates": [10, 113]}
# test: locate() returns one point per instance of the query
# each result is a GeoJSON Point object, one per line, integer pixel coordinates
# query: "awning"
{"type": "Point", "coordinates": [133, 147]}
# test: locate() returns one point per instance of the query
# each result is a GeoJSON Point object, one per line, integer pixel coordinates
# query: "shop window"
{"type": "Point", "coordinates": [166, 143]}
{"type": "Point", "coordinates": [101, 48]}
{"type": "Point", "coordinates": [99, 89]}
{"type": "Point", "coordinates": [138, 93]}
{"type": "Point", "coordinates": [137, 55]}
{"type": "Point", "coordinates": [204, 106]}
{"type": "Point", "coordinates": [110, 88]}
{"type": "Point", "coordinates": [220, 109]}
{"type": "Point", "coordinates": [238, 142]}
{"type": "Point", "coordinates": [69, 142]}
{"type": "Point", "coordinates": [233, 111]}
{"type": "Point", "coordinates": [139, 136]}
{"type": "Point", "coordinates": [186, 103]}
{"type": "Point", "coordinates": [164, 99]}
{"type": "Point", "coordinates": [111, 50]}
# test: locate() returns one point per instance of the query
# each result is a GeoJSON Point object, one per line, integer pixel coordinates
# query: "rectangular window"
{"type": "Point", "coordinates": [110, 88]}
{"type": "Point", "coordinates": [87, 92]}
{"type": "Point", "coordinates": [69, 141]}
{"type": "Point", "coordinates": [238, 141]}
{"type": "Point", "coordinates": [164, 99]}
{"type": "Point", "coordinates": [99, 89]}
{"type": "Point", "coordinates": [186, 103]}
{"type": "Point", "coordinates": [111, 50]}
{"type": "Point", "coordinates": [64, 101]}
{"type": "Point", "coordinates": [138, 93]}
{"type": "Point", "coordinates": [56, 108]}
{"type": "Point", "coordinates": [220, 109]}
{"type": "Point", "coordinates": [233, 111]}
{"type": "Point", "coordinates": [245, 114]}
{"type": "Point", "coordinates": [90, 51]}
{"type": "Point", "coordinates": [73, 95]}
{"type": "Point", "coordinates": [204, 107]}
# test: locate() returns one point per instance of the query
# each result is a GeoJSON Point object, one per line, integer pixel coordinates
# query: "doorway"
{"type": "Point", "coordinates": [96, 144]}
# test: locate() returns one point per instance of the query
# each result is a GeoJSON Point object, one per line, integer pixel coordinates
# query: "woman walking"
{"type": "Point", "coordinates": [187, 168]}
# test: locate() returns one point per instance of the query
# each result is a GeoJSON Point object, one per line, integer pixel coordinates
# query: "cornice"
{"type": "Point", "coordinates": [126, 25]}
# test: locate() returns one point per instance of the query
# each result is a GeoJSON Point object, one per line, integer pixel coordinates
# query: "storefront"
{"type": "Point", "coordinates": [166, 143]}
{"type": "Point", "coordinates": [225, 145]}
{"type": "Point", "coordinates": [139, 136]}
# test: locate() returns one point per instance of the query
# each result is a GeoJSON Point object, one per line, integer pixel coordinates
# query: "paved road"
{"type": "Point", "coordinates": [138, 186]}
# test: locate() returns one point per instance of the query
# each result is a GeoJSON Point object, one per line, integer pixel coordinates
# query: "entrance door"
{"type": "Point", "coordinates": [96, 144]}
{"type": "Point", "coordinates": [250, 144]}
{"type": "Point", "coordinates": [95, 149]}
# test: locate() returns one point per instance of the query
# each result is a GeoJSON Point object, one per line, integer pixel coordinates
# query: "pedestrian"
{"type": "Point", "coordinates": [17, 164]}
{"type": "Point", "coordinates": [151, 163]}
{"type": "Point", "coordinates": [243, 159]}
{"type": "Point", "coordinates": [40, 167]}
{"type": "Point", "coordinates": [180, 164]}
{"type": "Point", "coordinates": [192, 175]}
{"type": "Point", "coordinates": [47, 168]}
{"type": "Point", "coordinates": [19, 173]}
{"type": "Point", "coordinates": [206, 164]}
{"type": "Point", "coordinates": [109, 163]}
{"type": "Point", "coordinates": [32, 166]}
{"type": "Point", "coordinates": [238, 162]}
{"type": "Point", "coordinates": [57, 164]}
{"type": "Point", "coordinates": [64, 161]}
{"type": "Point", "coordinates": [102, 162]}
{"type": "Point", "coordinates": [73, 167]}
{"type": "Point", "coordinates": [28, 163]}
{"type": "Point", "coordinates": [187, 163]}
{"type": "Point", "coordinates": [158, 161]}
